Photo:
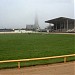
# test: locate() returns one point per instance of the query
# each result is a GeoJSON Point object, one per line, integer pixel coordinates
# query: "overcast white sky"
{"type": "Point", "coordinates": [18, 13]}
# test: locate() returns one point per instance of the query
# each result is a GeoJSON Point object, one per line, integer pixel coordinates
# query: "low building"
{"type": "Point", "coordinates": [62, 24]}
{"type": "Point", "coordinates": [22, 31]}
{"type": "Point", "coordinates": [6, 30]}
{"type": "Point", "coordinates": [29, 27]}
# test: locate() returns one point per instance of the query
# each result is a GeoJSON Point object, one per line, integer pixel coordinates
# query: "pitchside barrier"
{"type": "Point", "coordinates": [43, 58]}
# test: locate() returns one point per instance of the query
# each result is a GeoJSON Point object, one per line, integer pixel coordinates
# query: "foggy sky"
{"type": "Point", "coordinates": [18, 13]}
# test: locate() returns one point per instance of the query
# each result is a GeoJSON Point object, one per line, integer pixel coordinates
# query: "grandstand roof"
{"type": "Point", "coordinates": [60, 19]}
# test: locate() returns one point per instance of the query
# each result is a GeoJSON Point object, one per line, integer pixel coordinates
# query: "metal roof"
{"type": "Point", "coordinates": [60, 19]}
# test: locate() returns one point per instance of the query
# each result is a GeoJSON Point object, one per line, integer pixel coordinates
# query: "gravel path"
{"type": "Point", "coordinates": [52, 69]}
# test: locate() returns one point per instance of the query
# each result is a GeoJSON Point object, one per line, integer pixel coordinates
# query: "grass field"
{"type": "Point", "coordinates": [21, 46]}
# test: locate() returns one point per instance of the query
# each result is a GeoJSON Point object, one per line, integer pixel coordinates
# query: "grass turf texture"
{"type": "Point", "coordinates": [21, 46]}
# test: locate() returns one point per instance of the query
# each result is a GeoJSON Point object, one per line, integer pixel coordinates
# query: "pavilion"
{"type": "Point", "coordinates": [62, 24]}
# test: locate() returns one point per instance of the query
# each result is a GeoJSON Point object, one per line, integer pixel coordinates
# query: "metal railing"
{"type": "Point", "coordinates": [43, 58]}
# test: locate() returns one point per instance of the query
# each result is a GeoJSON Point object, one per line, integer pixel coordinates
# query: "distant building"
{"type": "Point", "coordinates": [34, 27]}
{"type": "Point", "coordinates": [22, 31]}
{"type": "Point", "coordinates": [6, 30]}
{"type": "Point", "coordinates": [29, 27]}
{"type": "Point", "coordinates": [62, 24]}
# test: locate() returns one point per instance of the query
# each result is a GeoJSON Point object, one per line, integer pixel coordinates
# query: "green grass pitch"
{"type": "Point", "coordinates": [21, 46]}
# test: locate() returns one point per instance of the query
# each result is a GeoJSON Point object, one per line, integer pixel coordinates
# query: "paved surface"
{"type": "Point", "coordinates": [52, 69]}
